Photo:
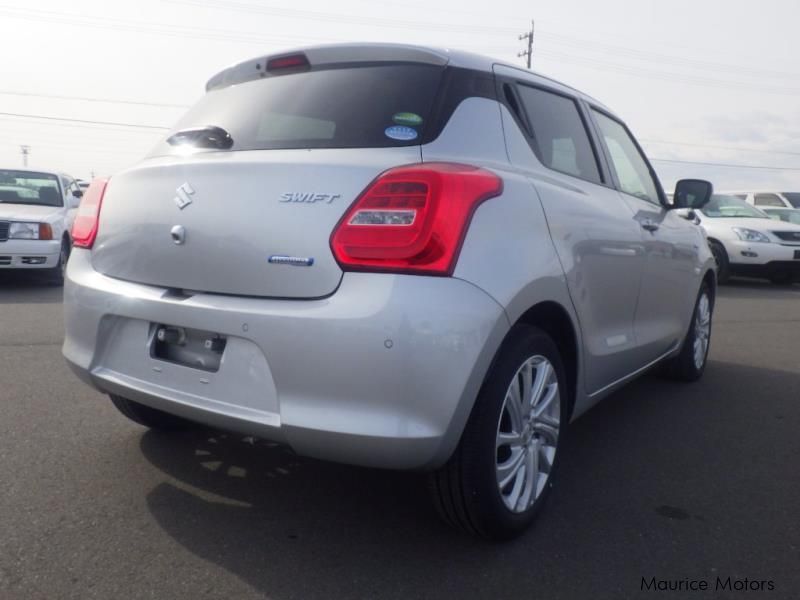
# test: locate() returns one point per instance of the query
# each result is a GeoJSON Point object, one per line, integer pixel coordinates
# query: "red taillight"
{"type": "Point", "coordinates": [45, 231]}
{"type": "Point", "coordinates": [291, 61]}
{"type": "Point", "coordinates": [412, 219]}
{"type": "Point", "coordinates": [84, 229]}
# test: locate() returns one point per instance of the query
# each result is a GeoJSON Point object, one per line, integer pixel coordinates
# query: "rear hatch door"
{"type": "Point", "coordinates": [253, 214]}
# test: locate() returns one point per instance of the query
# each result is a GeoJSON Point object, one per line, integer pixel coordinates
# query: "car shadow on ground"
{"type": "Point", "coordinates": [646, 479]}
{"type": "Point", "coordinates": [744, 284]}
{"type": "Point", "coordinates": [19, 287]}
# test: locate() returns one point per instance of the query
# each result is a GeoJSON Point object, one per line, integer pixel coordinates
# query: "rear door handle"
{"type": "Point", "coordinates": [649, 225]}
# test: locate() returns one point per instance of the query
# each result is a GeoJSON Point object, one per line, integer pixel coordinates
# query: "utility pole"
{"type": "Point", "coordinates": [25, 150]}
{"type": "Point", "coordinates": [529, 52]}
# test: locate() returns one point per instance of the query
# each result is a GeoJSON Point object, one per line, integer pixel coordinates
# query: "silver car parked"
{"type": "Point", "coordinates": [390, 256]}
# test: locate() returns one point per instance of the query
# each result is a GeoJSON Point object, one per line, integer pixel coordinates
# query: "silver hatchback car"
{"type": "Point", "coordinates": [390, 256]}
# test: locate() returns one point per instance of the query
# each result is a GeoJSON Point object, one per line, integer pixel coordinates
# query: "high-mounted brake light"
{"type": "Point", "coordinates": [291, 61]}
{"type": "Point", "coordinates": [413, 219]}
{"type": "Point", "coordinates": [84, 229]}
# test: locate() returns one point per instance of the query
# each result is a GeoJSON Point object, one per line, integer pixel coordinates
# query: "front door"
{"type": "Point", "coordinates": [671, 250]}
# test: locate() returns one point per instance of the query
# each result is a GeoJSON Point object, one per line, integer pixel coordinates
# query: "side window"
{"type": "Point", "coordinates": [628, 163]}
{"type": "Point", "coordinates": [768, 200]}
{"type": "Point", "coordinates": [559, 134]}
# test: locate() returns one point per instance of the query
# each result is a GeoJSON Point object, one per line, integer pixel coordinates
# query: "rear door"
{"type": "Point", "coordinates": [243, 195]}
{"type": "Point", "coordinates": [593, 229]}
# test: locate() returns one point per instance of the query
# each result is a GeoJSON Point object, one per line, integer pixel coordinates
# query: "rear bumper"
{"type": "Point", "coordinates": [382, 373]}
{"type": "Point", "coordinates": [29, 254]}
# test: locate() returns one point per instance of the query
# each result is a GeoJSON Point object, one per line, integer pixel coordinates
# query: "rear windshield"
{"type": "Point", "coordinates": [352, 107]}
{"type": "Point", "coordinates": [28, 187]}
{"type": "Point", "coordinates": [793, 198]}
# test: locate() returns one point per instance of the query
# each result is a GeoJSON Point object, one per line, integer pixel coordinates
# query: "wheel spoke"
{"type": "Point", "coordinates": [543, 376]}
{"type": "Point", "coordinates": [531, 475]}
{"type": "Point", "coordinates": [514, 410]}
{"type": "Point", "coordinates": [546, 402]}
{"type": "Point", "coordinates": [547, 428]}
{"type": "Point", "coordinates": [508, 470]}
{"type": "Point", "coordinates": [546, 455]}
{"type": "Point", "coordinates": [511, 439]}
{"type": "Point", "coordinates": [527, 385]}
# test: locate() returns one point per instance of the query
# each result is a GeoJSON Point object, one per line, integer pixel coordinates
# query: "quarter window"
{"type": "Point", "coordinates": [628, 163]}
{"type": "Point", "coordinates": [559, 135]}
{"type": "Point", "coordinates": [768, 200]}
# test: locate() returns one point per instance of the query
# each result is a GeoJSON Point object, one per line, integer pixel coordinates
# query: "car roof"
{"type": "Point", "coordinates": [249, 70]}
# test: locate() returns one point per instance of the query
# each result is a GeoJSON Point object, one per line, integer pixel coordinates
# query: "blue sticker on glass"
{"type": "Point", "coordinates": [401, 132]}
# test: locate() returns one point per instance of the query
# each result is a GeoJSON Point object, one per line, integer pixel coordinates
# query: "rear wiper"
{"type": "Point", "coordinates": [209, 136]}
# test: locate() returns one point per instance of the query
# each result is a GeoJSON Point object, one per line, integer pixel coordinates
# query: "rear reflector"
{"type": "Point", "coordinates": [291, 61]}
{"type": "Point", "coordinates": [412, 219]}
{"type": "Point", "coordinates": [84, 229]}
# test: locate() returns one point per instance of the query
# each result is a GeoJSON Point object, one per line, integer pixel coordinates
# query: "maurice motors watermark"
{"type": "Point", "coordinates": [716, 584]}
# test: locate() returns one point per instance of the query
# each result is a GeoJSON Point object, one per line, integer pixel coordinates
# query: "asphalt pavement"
{"type": "Point", "coordinates": [662, 480]}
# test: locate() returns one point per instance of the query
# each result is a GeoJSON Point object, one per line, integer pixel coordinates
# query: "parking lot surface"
{"type": "Point", "coordinates": [662, 479]}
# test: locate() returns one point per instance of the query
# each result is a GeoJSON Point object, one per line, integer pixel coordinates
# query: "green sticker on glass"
{"type": "Point", "coordinates": [407, 118]}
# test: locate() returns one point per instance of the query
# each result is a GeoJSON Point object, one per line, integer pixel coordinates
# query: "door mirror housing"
{"type": "Point", "coordinates": [692, 193]}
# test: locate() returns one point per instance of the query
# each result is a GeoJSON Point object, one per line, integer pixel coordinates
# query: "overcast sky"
{"type": "Point", "coordinates": [719, 82]}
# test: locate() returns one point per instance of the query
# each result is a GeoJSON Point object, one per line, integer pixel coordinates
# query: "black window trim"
{"type": "Point", "coordinates": [662, 197]}
{"type": "Point", "coordinates": [523, 121]}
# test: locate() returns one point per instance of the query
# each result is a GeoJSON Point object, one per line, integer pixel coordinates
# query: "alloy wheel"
{"type": "Point", "coordinates": [527, 434]}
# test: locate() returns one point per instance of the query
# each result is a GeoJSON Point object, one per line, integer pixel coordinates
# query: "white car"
{"type": "Point", "coordinates": [768, 199]}
{"type": "Point", "coordinates": [37, 210]}
{"type": "Point", "coordinates": [746, 241]}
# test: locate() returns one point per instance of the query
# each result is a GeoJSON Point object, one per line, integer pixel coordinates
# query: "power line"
{"type": "Point", "coordinates": [144, 27]}
{"type": "Point", "coordinates": [665, 75]}
{"type": "Point", "coordinates": [88, 99]}
{"type": "Point", "coordinates": [639, 54]}
{"type": "Point", "coordinates": [87, 121]}
{"type": "Point", "coordinates": [233, 5]}
{"type": "Point", "coordinates": [717, 146]}
{"type": "Point", "coordinates": [726, 165]}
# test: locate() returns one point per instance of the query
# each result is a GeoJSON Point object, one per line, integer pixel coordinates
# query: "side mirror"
{"type": "Point", "coordinates": [74, 201]}
{"type": "Point", "coordinates": [692, 193]}
{"type": "Point", "coordinates": [78, 193]}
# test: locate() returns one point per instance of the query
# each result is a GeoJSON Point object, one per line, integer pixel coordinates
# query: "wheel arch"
{"type": "Point", "coordinates": [552, 318]}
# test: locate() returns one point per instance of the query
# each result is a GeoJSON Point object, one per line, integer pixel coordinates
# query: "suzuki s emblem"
{"type": "Point", "coordinates": [184, 197]}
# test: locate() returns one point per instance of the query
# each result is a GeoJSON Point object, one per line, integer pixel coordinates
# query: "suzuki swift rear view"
{"type": "Point", "coordinates": [390, 256]}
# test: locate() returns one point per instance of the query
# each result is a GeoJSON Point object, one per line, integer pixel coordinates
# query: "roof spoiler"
{"type": "Point", "coordinates": [328, 55]}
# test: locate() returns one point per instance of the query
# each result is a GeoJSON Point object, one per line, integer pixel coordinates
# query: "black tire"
{"type": "Point", "coordinates": [55, 275]}
{"type": "Point", "coordinates": [465, 490]}
{"type": "Point", "coordinates": [149, 417]}
{"type": "Point", "coordinates": [723, 264]}
{"type": "Point", "coordinates": [684, 367]}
